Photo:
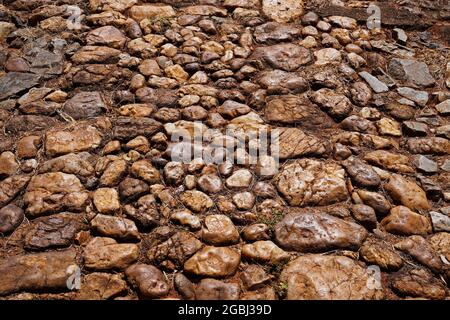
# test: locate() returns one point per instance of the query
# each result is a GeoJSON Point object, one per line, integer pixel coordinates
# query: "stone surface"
{"type": "Point", "coordinates": [279, 81]}
{"type": "Point", "coordinates": [365, 215]}
{"type": "Point", "coordinates": [310, 182]}
{"type": "Point", "coordinates": [101, 286]}
{"type": "Point", "coordinates": [275, 32]}
{"type": "Point", "coordinates": [403, 221]}
{"type": "Point", "coordinates": [212, 289]}
{"type": "Point", "coordinates": [106, 200]}
{"type": "Point", "coordinates": [241, 178]}
{"type": "Point", "coordinates": [293, 109]}
{"type": "Point", "coordinates": [293, 142]}
{"type": "Point", "coordinates": [254, 276]}
{"type": "Point", "coordinates": [440, 243]}
{"type": "Point", "coordinates": [174, 252]}
{"type": "Point", "coordinates": [210, 183]}
{"type": "Point", "coordinates": [374, 83]}
{"type": "Point", "coordinates": [95, 54]}
{"type": "Point", "coordinates": [196, 201]}
{"type": "Point", "coordinates": [115, 227]}
{"type": "Point", "coordinates": [287, 57]}
{"type": "Point", "coordinates": [184, 286]}
{"type": "Point", "coordinates": [28, 147]}
{"type": "Point", "coordinates": [317, 232]}
{"type": "Point", "coordinates": [85, 105]}
{"type": "Point", "coordinates": [282, 10]}
{"type": "Point", "coordinates": [41, 271]}
{"type": "Point", "coordinates": [11, 186]}
{"type": "Point", "coordinates": [63, 142]}
{"type": "Point", "coordinates": [264, 252]}
{"type": "Point", "coordinates": [411, 71]}
{"type": "Point", "coordinates": [185, 217]}
{"type": "Point", "coordinates": [335, 104]}
{"type": "Point", "coordinates": [105, 253]}
{"type": "Point", "coordinates": [57, 230]}
{"type": "Point", "coordinates": [107, 35]}
{"type": "Point", "coordinates": [407, 193]}
{"type": "Point", "coordinates": [361, 173]}
{"type": "Point", "coordinates": [219, 230]}
{"type": "Point", "coordinates": [440, 221]}
{"type": "Point", "coordinates": [116, 170]}
{"type": "Point", "coordinates": [73, 163]}
{"type": "Point", "coordinates": [421, 250]}
{"type": "Point", "coordinates": [419, 97]}
{"type": "Point", "coordinates": [8, 164]}
{"type": "Point", "coordinates": [379, 253]}
{"type": "Point", "coordinates": [389, 160]}
{"type": "Point", "coordinates": [11, 216]}
{"type": "Point", "coordinates": [150, 11]}
{"type": "Point", "coordinates": [426, 165]}
{"type": "Point", "coordinates": [144, 170]}
{"type": "Point", "coordinates": [148, 279]}
{"type": "Point", "coordinates": [444, 107]}
{"type": "Point", "coordinates": [116, 5]}
{"type": "Point", "coordinates": [23, 123]}
{"type": "Point", "coordinates": [329, 278]}
{"type": "Point", "coordinates": [375, 200]}
{"type": "Point", "coordinates": [126, 128]}
{"type": "Point", "coordinates": [15, 82]}
{"type": "Point", "coordinates": [433, 145]}
{"type": "Point", "coordinates": [54, 191]}
{"type": "Point", "coordinates": [214, 262]}
{"type": "Point", "coordinates": [418, 283]}
{"type": "Point", "coordinates": [135, 134]}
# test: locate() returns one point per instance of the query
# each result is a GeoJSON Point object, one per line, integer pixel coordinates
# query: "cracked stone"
{"type": "Point", "coordinates": [316, 232]}
{"type": "Point", "coordinates": [52, 192]}
{"type": "Point", "coordinates": [214, 262]}
{"type": "Point", "coordinates": [308, 182]}
{"type": "Point", "coordinates": [330, 278]}
{"type": "Point", "coordinates": [40, 271]}
{"type": "Point", "coordinates": [105, 253]}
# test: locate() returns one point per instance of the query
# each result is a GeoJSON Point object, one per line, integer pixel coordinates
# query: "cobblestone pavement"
{"type": "Point", "coordinates": [224, 149]}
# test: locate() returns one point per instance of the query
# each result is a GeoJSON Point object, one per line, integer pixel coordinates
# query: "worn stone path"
{"type": "Point", "coordinates": [352, 201]}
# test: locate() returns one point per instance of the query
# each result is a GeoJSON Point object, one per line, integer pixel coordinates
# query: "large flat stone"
{"type": "Point", "coordinates": [15, 82]}
{"type": "Point", "coordinates": [309, 182]}
{"type": "Point", "coordinates": [41, 271]}
{"type": "Point", "coordinates": [316, 232]}
{"type": "Point", "coordinates": [77, 140]}
{"type": "Point", "coordinates": [317, 277]}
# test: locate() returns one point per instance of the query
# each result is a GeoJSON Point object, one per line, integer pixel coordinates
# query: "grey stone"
{"type": "Point", "coordinates": [85, 105]}
{"type": "Point", "coordinates": [11, 216]}
{"type": "Point", "coordinates": [47, 270]}
{"type": "Point", "coordinates": [446, 165]}
{"type": "Point", "coordinates": [16, 82]}
{"type": "Point", "coordinates": [411, 71]}
{"type": "Point", "coordinates": [444, 107]}
{"type": "Point", "coordinates": [441, 222]}
{"type": "Point", "coordinates": [414, 128]}
{"type": "Point", "coordinates": [374, 83]}
{"type": "Point", "coordinates": [426, 165]}
{"type": "Point", "coordinates": [400, 35]}
{"type": "Point", "coordinates": [419, 97]}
